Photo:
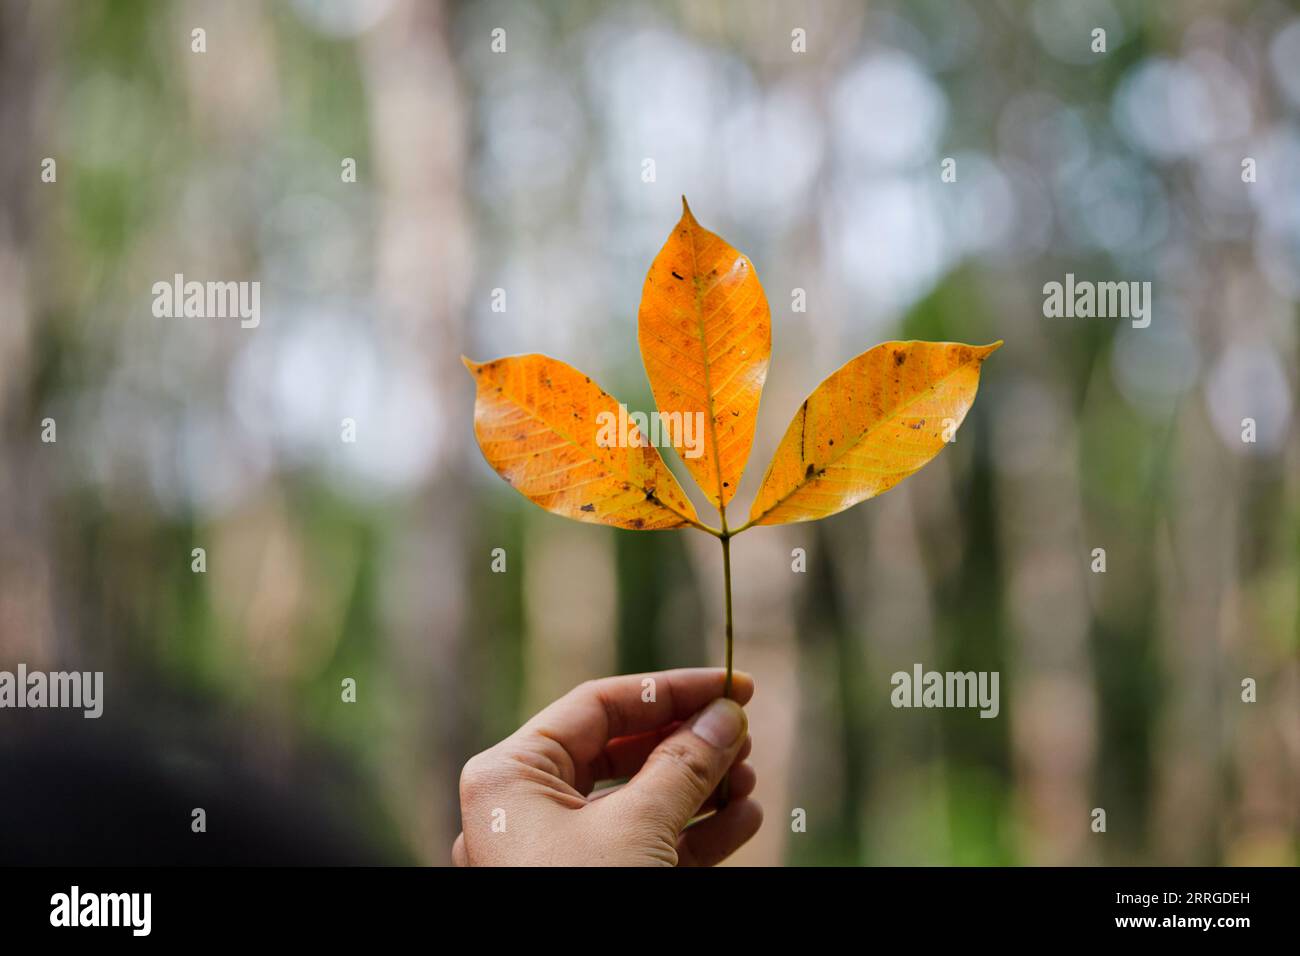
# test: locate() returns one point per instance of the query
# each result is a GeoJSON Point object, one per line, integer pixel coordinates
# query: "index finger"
{"type": "Point", "coordinates": [592, 714]}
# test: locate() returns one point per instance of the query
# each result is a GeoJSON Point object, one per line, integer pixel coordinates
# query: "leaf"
{"type": "Point", "coordinates": [538, 421]}
{"type": "Point", "coordinates": [706, 337]}
{"type": "Point", "coordinates": [872, 423]}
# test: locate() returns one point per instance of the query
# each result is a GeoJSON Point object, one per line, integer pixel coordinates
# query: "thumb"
{"type": "Point", "coordinates": [687, 766]}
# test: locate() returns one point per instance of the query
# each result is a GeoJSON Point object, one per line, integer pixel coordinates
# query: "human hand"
{"type": "Point", "coordinates": [528, 801]}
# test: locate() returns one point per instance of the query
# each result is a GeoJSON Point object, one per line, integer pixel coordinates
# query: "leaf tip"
{"type": "Point", "coordinates": [986, 350]}
{"type": "Point", "coordinates": [686, 210]}
{"type": "Point", "coordinates": [470, 364]}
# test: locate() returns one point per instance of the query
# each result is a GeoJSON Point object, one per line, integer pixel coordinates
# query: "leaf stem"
{"type": "Point", "coordinates": [704, 527]}
{"type": "Point", "coordinates": [724, 789]}
{"type": "Point", "coordinates": [726, 577]}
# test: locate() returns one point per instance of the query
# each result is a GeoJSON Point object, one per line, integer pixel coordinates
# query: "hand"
{"type": "Point", "coordinates": [528, 801]}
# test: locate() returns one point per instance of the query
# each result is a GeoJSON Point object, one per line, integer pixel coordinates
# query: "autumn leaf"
{"type": "Point", "coordinates": [878, 419]}
{"type": "Point", "coordinates": [706, 337]}
{"type": "Point", "coordinates": [538, 422]}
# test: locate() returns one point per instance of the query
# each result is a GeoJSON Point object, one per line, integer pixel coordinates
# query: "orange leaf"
{"type": "Point", "coordinates": [539, 424]}
{"type": "Point", "coordinates": [706, 338]}
{"type": "Point", "coordinates": [878, 419]}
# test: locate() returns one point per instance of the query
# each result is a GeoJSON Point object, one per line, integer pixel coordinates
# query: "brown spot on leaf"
{"type": "Point", "coordinates": [588, 507]}
{"type": "Point", "coordinates": [803, 427]}
{"type": "Point", "coordinates": [900, 358]}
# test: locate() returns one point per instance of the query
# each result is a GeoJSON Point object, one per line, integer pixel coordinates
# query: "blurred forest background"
{"type": "Point", "coordinates": [523, 171]}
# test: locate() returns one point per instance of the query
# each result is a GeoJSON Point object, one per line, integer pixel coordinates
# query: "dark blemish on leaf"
{"type": "Point", "coordinates": [811, 469]}
{"type": "Point", "coordinates": [588, 507]}
{"type": "Point", "coordinates": [832, 442]}
{"type": "Point", "coordinates": [680, 278]}
{"type": "Point", "coordinates": [726, 484]}
{"type": "Point", "coordinates": [547, 380]}
{"type": "Point", "coordinates": [638, 523]}
{"type": "Point", "coordinates": [803, 427]}
{"type": "Point", "coordinates": [900, 358]}
{"type": "Point", "coordinates": [586, 379]}
{"type": "Point", "coordinates": [917, 425]}
{"type": "Point", "coordinates": [735, 413]}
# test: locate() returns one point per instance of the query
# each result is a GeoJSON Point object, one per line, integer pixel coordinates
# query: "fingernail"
{"type": "Point", "coordinates": [721, 723]}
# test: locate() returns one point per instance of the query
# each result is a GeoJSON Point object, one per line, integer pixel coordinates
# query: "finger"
{"type": "Point", "coordinates": [590, 715]}
{"type": "Point", "coordinates": [458, 855]}
{"type": "Point", "coordinates": [684, 769]}
{"type": "Point", "coordinates": [743, 780]}
{"type": "Point", "coordinates": [711, 841]}
{"type": "Point", "coordinates": [624, 757]}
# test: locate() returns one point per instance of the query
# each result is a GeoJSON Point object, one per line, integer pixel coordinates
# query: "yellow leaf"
{"type": "Point", "coordinates": [539, 423]}
{"type": "Point", "coordinates": [875, 421]}
{"type": "Point", "coordinates": [706, 337]}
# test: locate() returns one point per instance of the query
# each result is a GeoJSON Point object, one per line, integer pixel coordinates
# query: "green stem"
{"type": "Point", "coordinates": [703, 527]}
{"type": "Point", "coordinates": [724, 789]}
{"type": "Point", "coordinates": [726, 576]}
